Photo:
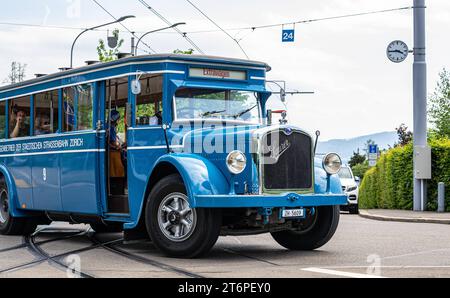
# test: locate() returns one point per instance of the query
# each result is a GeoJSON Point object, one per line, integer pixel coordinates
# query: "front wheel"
{"type": "Point", "coordinates": [174, 227]}
{"type": "Point", "coordinates": [10, 225]}
{"type": "Point", "coordinates": [321, 228]}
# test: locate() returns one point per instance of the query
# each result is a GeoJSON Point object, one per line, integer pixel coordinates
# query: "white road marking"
{"type": "Point", "coordinates": [340, 273]}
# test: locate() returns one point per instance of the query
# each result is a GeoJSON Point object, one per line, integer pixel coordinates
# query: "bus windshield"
{"type": "Point", "coordinates": [194, 103]}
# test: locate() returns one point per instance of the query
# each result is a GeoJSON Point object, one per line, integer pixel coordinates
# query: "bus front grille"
{"type": "Point", "coordinates": [287, 161]}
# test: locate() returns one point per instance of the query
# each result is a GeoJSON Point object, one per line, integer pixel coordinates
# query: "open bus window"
{"type": "Point", "coordinates": [19, 124]}
{"type": "Point", "coordinates": [78, 108]}
{"type": "Point", "coordinates": [149, 102]}
{"type": "Point", "coordinates": [46, 113]}
{"type": "Point", "coordinates": [2, 119]}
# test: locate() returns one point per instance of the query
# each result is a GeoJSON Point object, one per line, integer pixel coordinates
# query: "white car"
{"type": "Point", "coordinates": [350, 188]}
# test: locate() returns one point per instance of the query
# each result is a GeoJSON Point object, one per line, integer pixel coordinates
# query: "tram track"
{"type": "Point", "coordinates": [167, 267]}
{"type": "Point", "coordinates": [41, 256]}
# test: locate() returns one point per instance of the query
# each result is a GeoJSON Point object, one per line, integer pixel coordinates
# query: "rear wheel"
{"type": "Point", "coordinates": [10, 225]}
{"type": "Point", "coordinates": [174, 227]}
{"type": "Point", "coordinates": [318, 232]}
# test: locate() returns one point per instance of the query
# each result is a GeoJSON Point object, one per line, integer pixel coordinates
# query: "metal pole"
{"type": "Point", "coordinates": [132, 45]}
{"type": "Point", "coordinates": [441, 197]}
{"type": "Point", "coordinates": [420, 97]}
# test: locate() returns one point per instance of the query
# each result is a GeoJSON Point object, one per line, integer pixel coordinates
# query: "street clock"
{"type": "Point", "coordinates": [397, 51]}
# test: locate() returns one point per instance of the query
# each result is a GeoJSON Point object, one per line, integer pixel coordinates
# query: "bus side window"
{"type": "Point", "coordinates": [2, 119]}
{"type": "Point", "coordinates": [19, 124]}
{"type": "Point", "coordinates": [78, 108]}
{"type": "Point", "coordinates": [85, 107]}
{"type": "Point", "coordinates": [68, 109]}
{"type": "Point", "coordinates": [46, 113]}
{"type": "Point", "coordinates": [149, 102]}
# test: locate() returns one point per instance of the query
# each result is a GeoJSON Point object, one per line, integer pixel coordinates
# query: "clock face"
{"type": "Point", "coordinates": [397, 51]}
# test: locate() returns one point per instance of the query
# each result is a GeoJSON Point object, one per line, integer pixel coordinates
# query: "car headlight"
{"type": "Point", "coordinates": [352, 188]}
{"type": "Point", "coordinates": [332, 163]}
{"type": "Point", "coordinates": [236, 162]}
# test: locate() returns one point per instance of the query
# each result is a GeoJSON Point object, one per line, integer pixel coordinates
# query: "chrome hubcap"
{"type": "Point", "coordinates": [4, 208]}
{"type": "Point", "coordinates": [176, 219]}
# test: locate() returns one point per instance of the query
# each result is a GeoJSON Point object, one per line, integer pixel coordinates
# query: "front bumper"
{"type": "Point", "coordinates": [269, 201]}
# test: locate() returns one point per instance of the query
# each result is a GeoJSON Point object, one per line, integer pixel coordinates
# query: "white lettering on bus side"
{"type": "Point", "coordinates": [45, 145]}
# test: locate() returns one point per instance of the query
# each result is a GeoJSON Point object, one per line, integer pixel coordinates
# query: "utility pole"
{"type": "Point", "coordinates": [420, 102]}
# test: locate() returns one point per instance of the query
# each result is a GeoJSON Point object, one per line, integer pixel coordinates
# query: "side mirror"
{"type": "Point", "coordinates": [129, 118]}
{"type": "Point", "coordinates": [136, 87]}
{"type": "Point", "coordinates": [357, 179]}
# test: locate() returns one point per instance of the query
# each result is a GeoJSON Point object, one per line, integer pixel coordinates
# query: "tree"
{"type": "Point", "coordinates": [405, 136]}
{"type": "Point", "coordinates": [17, 73]}
{"type": "Point", "coordinates": [187, 52]}
{"type": "Point", "coordinates": [356, 159]}
{"type": "Point", "coordinates": [360, 169]}
{"type": "Point", "coordinates": [105, 55]}
{"type": "Point", "coordinates": [439, 103]}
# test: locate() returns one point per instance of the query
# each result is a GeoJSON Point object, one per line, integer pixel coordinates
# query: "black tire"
{"type": "Point", "coordinates": [318, 235]}
{"type": "Point", "coordinates": [103, 228]}
{"type": "Point", "coordinates": [200, 238]}
{"type": "Point", "coordinates": [353, 209]}
{"type": "Point", "coordinates": [9, 225]}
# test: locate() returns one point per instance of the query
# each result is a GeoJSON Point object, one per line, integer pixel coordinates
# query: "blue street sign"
{"type": "Point", "coordinates": [373, 149]}
{"type": "Point", "coordinates": [288, 35]}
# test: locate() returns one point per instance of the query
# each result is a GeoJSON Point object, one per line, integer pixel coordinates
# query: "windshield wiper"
{"type": "Point", "coordinates": [244, 112]}
{"type": "Point", "coordinates": [212, 113]}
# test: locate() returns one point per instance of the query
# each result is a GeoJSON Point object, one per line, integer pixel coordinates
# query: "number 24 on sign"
{"type": "Point", "coordinates": [288, 35]}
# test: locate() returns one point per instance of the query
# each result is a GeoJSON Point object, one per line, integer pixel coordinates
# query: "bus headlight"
{"type": "Point", "coordinates": [236, 162]}
{"type": "Point", "coordinates": [332, 163]}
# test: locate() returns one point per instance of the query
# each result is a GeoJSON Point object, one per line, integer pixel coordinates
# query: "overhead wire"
{"type": "Point", "coordinates": [183, 34]}
{"type": "Point", "coordinates": [218, 26]}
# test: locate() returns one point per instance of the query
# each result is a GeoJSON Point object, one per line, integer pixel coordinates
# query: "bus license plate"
{"type": "Point", "coordinates": [292, 213]}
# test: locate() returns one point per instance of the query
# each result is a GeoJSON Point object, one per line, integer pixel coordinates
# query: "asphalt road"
{"type": "Point", "coordinates": [360, 248]}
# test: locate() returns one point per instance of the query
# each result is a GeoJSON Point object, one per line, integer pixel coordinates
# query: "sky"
{"type": "Point", "coordinates": [358, 91]}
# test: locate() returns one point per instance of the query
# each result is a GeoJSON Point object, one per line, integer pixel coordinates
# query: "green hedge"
{"type": "Point", "coordinates": [389, 185]}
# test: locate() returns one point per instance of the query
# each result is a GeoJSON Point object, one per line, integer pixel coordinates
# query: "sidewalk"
{"type": "Point", "coordinates": [406, 216]}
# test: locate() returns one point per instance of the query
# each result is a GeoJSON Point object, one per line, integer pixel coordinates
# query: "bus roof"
{"type": "Point", "coordinates": [175, 58]}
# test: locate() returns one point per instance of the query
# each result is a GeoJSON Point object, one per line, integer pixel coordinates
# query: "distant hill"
{"type": "Point", "coordinates": [345, 147]}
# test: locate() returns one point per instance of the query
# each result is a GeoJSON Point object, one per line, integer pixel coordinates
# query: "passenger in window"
{"type": "Point", "coordinates": [115, 143]}
{"type": "Point", "coordinates": [42, 125]}
{"type": "Point", "coordinates": [18, 127]}
{"type": "Point", "coordinates": [157, 119]}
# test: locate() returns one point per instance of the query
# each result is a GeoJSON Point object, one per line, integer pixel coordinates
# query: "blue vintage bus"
{"type": "Point", "coordinates": [176, 148]}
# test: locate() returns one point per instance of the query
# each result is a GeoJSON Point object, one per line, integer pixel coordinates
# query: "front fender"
{"type": "Point", "coordinates": [322, 179]}
{"type": "Point", "coordinates": [200, 176]}
{"type": "Point", "coordinates": [12, 193]}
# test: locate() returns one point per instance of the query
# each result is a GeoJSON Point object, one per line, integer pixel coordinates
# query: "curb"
{"type": "Point", "coordinates": [365, 214]}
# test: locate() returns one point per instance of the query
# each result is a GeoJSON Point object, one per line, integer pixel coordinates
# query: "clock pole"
{"type": "Point", "coordinates": [420, 104]}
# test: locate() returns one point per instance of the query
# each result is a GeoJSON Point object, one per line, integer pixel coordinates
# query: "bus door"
{"type": "Point", "coordinates": [115, 169]}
